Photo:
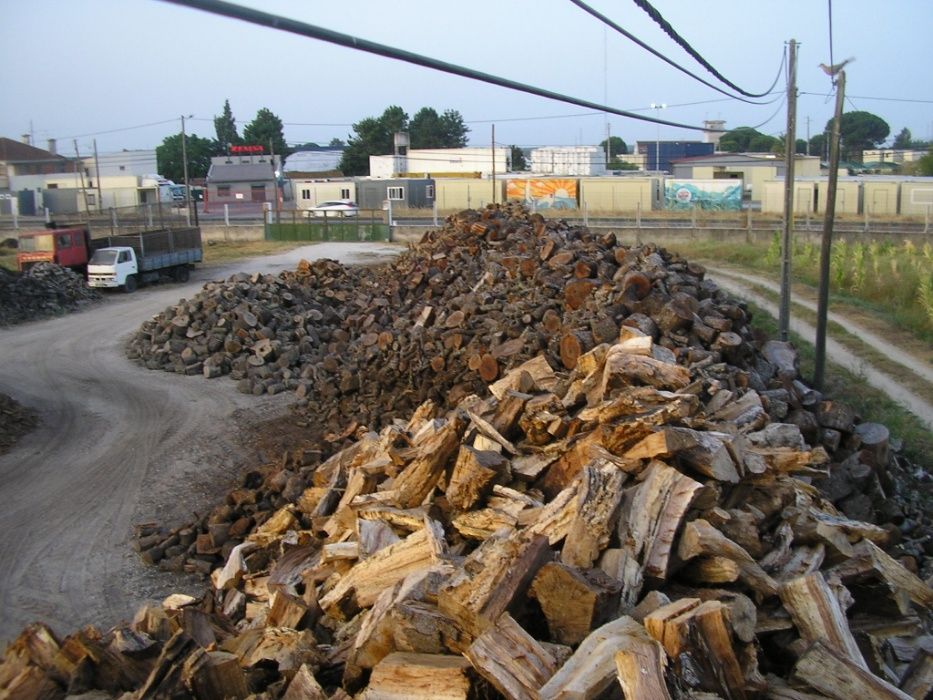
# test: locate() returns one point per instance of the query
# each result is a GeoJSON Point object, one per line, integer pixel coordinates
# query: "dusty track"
{"type": "Point", "coordinates": [117, 445]}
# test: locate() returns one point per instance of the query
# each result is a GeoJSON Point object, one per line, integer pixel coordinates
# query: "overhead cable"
{"type": "Point", "coordinates": [628, 35]}
{"type": "Point", "coordinates": [272, 21]}
{"type": "Point", "coordinates": [685, 45]}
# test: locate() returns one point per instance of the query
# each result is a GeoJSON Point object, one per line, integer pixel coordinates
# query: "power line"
{"type": "Point", "coordinates": [628, 35]}
{"type": "Point", "coordinates": [272, 21]}
{"type": "Point", "coordinates": [684, 44]}
{"type": "Point", "coordinates": [866, 97]}
{"type": "Point", "coordinates": [114, 131]}
{"type": "Point", "coordinates": [831, 61]}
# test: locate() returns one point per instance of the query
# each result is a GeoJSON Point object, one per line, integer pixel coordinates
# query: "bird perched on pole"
{"type": "Point", "coordinates": [832, 70]}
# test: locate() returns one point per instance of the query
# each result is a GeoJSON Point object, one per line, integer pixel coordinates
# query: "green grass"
{"type": "Point", "coordinates": [891, 281]}
{"type": "Point", "coordinates": [869, 403]}
{"type": "Point", "coordinates": [226, 251]}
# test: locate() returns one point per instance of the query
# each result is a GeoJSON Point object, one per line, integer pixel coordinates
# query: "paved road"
{"type": "Point", "coordinates": [117, 444]}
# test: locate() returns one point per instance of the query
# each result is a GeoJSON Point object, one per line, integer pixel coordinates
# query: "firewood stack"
{"type": "Point", "coordinates": [633, 527]}
{"type": "Point", "coordinates": [42, 291]}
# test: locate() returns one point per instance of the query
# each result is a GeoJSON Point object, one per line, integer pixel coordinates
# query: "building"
{"type": "Point", "coordinates": [434, 162]}
{"type": "Point", "coordinates": [140, 163]}
{"type": "Point", "coordinates": [892, 156]}
{"type": "Point", "coordinates": [319, 160]}
{"type": "Point", "coordinates": [752, 169]}
{"type": "Point", "coordinates": [309, 192]}
{"type": "Point", "coordinates": [403, 193]}
{"type": "Point", "coordinates": [586, 161]}
{"type": "Point", "coordinates": [20, 159]}
{"type": "Point", "coordinates": [243, 178]}
{"type": "Point", "coordinates": [659, 154]}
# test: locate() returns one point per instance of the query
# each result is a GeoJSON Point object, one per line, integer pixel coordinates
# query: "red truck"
{"type": "Point", "coordinates": [125, 260]}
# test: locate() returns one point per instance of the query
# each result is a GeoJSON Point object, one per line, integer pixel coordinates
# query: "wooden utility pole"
{"type": "Point", "coordinates": [825, 248]}
{"type": "Point", "coordinates": [100, 194]}
{"type": "Point", "coordinates": [493, 163]}
{"type": "Point", "coordinates": [80, 166]}
{"type": "Point", "coordinates": [184, 165]}
{"type": "Point", "coordinates": [790, 145]}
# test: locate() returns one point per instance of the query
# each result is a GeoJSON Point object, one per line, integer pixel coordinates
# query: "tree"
{"type": "Point", "coordinates": [266, 130]}
{"type": "Point", "coordinates": [169, 157]}
{"type": "Point", "coordinates": [517, 158]}
{"type": "Point", "coordinates": [746, 139]}
{"type": "Point", "coordinates": [800, 146]}
{"type": "Point", "coordinates": [336, 143]}
{"type": "Point", "coordinates": [616, 147]}
{"type": "Point", "coordinates": [428, 129]}
{"type": "Point", "coordinates": [859, 131]}
{"type": "Point", "coordinates": [818, 146]}
{"type": "Point", "coordinates": [225, 128]}
{"type": "Point", "coordinates": [903, 140]}
{"type": "Point", "coordinates": [925, 164]}
{"type": "Point", "coordinates": [373, 136]}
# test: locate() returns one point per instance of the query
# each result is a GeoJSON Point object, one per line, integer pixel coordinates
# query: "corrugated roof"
{"type": "Point", "coordinates": [240, 172]}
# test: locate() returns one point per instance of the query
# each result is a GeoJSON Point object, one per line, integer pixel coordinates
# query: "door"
{"type": "Point", "coordinates": [257, 193]}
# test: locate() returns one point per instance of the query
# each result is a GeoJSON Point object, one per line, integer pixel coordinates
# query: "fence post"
{"type": "Point", "coordinates": [866, 219]}
{"type": "Point", "coordinates": [113, 220]}
{"type": "Point", "coordinates": [149, 214]}
{"type": "Point", "coordinates": [226, 214]}
{"type": "Point", "coordinates": [391, 223]}
{"type": "Point", "coordinates": [586, 217]}
{"type": "Point", "coordinates": [188, 217]}
{"type": "Point", "coordinates": [435, 212]}
{"type": "Point", "coordinates": [693, 217]}
{"type": "Point", "coordinates": [638, 214]}
{"type": "Point", "coordinates": [48, 215]}
{"type": "Point", "coordinates": [926, 223]}
{"type": "Point", "coordinates": [14, 209]}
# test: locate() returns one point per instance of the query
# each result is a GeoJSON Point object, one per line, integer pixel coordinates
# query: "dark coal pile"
{"type": "Point", "coordinates": [44, 290]}
{"type": "Point", "coordinates": [15, 421]}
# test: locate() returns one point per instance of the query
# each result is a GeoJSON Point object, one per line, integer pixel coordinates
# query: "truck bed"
{"type": "Point", "coordinates": [160, 248]}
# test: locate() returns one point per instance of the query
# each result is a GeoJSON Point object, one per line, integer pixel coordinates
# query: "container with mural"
{"type": "Point", "coordinates": [544, 193]}
{"type": "Point", "coordinates": [712, 195]}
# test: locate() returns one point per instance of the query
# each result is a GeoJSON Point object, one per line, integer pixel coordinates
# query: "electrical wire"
{"type": "Point", "coordinates": [831, 61]}
{"type": "Point", "coordinates": [628, 35]}
{"type": "Point", "coordinates": [273, 21]}
{"type": "Point", "coordinates": [684, 44]}
{"type": "Point", "coordinates": [866, 97]}
{"type": "Point", "coordinates": [114, 131]}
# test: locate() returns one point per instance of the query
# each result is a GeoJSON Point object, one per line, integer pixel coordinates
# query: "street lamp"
{"type": "Point", "coordinates": [657, 144]}
{"type": "Point", "coordinates": [184, 165]}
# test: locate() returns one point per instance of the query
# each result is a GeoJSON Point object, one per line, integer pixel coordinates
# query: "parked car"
{"type": "Point", "coordinates": [335, 208]}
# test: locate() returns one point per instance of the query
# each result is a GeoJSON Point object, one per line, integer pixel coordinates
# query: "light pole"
{"type": "Point", "coordinates": [184, 165]}
{"type": "Point", "coordinates": [657, 144]}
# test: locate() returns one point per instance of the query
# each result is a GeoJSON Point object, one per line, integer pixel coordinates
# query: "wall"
{"type": "Point", "coordinates": [879, 198]}
{"type": "Point", "coordinates": [916, 198]}
{"type": "Point", "coordinates": [466, 193]}
{"type": "Point", "coordinates": [321, 191]}
{"type": "Point", "coordinates": [568, 160]}
{"type": "Point", "coordinates": [625, 194]}
{"type": "Point", "coordinates": [441, 160]}
{"type": "Point", "coordinates": [773, 197]}
{"type": "Point", "coordinates": [544, 192]}
{"type": "Point", "coordinates": [847, 196]}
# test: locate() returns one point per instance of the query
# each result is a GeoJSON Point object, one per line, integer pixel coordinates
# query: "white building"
{"type": "Point", "coordinates": [121, 163]}
{"type": "Point", "coordinates": [434, 161]}
{"type": "Point", "coordinates": [568, 160]}
{"type": "Point", "coordinates": [321, 161]}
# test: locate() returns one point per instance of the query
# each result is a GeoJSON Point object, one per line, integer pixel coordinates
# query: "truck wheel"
{"type": "Point", "coordinates": [130, 285]}
{"type": "Point", "coordinates": [181, 273]}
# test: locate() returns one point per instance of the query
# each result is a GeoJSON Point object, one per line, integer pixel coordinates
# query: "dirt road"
{"type": "Point", "coordinates": [117, 445]}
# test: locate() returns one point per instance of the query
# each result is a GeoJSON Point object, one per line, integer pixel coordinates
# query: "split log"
{"type": "Point", "coordinates": [406, 676]}
{"type": "Point", "coordinates": [417, 480]}
{"type": "Point", "coordinates": [511, 660]}
{"type": "Point", "coordinates": [304, 686]}
{"type": "Point", "coordinates": [870, 561]}
{"type": "Point", "coordinates": [492, 576]}
{"type": "Point", "coordinates": [591, 669]}
{"type": "Point", "coordinates": [700, 537]}
{"type": "Point", "coordinates": [473, 476]}
{"type": "Point", "coordinates": [640, 663]}
{"type": "Point", "coordinates": [623, 369]}
{"type": "Point", "coordinates": [818, 616]}
{"type": "Point", "coordinates": [599, 496]}
{"type": "Point", "coordinates": [696, 633]}
{"type": "Point", "coordinates": [837, 677]}
{"type": "Point", "coordinates": [214, 675]}
{"type": "Point", "coordinates": [917, 680]}
{"type": "Point", "coordinates": [574, 602]}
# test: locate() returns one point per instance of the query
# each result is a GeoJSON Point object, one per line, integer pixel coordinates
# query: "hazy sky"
{"type": "Point", "coordinates": [79, 69]}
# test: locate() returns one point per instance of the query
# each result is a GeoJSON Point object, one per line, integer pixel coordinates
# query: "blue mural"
{"type": "Point", "coordinates": [710, 196]}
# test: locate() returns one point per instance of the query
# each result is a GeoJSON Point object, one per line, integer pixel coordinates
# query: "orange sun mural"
{"type": "Point", "coordinates": [551, 193]}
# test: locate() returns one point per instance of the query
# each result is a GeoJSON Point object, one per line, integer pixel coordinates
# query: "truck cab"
{"type": "Point", "coordinates": [63, 246]}
{"type": "Point", "coordinates": [113, 267]}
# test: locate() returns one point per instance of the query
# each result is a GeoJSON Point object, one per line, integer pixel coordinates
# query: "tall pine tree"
{"type": "Point", "coordinates": [225, 127]}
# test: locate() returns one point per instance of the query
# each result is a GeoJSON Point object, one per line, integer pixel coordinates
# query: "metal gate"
{"type": "Point", "coordinates": [324, 230]}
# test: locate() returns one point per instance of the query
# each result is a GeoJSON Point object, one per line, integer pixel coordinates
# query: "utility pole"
{"type": "Point", "coordinates": [80, 167]}
{"type": "Point", "coordinates": [808, 135]}
{"type": "Point", "coordinates": [608, 139]}
{"type": "Point", "coordinates": [825, 248]}
{"type": "Point", "coordinates": [184, 161]}
{"type": "Point", "coordinates": [100, 196]}
{"type": "Point", "coordinates": [790, 145]}
{"type": "Point", "coordinates": [493, 163]}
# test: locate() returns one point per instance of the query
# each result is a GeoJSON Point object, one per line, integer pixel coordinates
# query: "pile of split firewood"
{"type": "Point", "coordinates": [634, 528]}
{"type": "Point", "coordinates": [43, 290]}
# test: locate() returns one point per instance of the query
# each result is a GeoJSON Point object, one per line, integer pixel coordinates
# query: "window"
{"type": "Point", "coordinates": [345, 193]}
{"type": "Point", "coordinates": [124, 256]}
{"type": "Point", "coordinates": [52, 186]}
{"type": "Point", "coordinates": [64, 240]}
{"type": "Point", "coordinates": [223, 190]}
{"type": "Point", "coordinates": [306, 194]}
{"type": "Point", "coordinates": [429, 191]}
{"type": "Point", "coordinates": [91, 199]}
{"type": "Point", "coordinates": [122, 167]}
{"type": "Point", "coordinates": [396, 193]}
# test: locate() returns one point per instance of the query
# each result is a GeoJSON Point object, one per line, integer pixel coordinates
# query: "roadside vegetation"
{"type": "Point", "coordinates": [890, 281]}
{"type": "Point", "coordinates": [216, 252]}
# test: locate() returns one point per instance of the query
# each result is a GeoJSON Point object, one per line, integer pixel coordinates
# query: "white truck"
{"type": "Point", "coordinates": [129, 260]}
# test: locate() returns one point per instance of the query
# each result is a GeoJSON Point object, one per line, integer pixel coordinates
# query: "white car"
{"type": "Point", "coordinates": [335, 208]}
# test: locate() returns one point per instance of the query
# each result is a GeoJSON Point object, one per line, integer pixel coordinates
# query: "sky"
{"type": "Point", "coordinates": [124, 71]}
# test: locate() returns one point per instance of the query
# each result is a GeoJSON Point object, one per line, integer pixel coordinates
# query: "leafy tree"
{"type": "Point", "coordinates": [264, 130]}
{"type": "Point", "coordinates": [225, 127]}
{"type": "Point", "coordinates": [925, 164]}
{"type": "Point", "coordinates": [903, 140]}
{"type": "Point", "coordinates": [373, 136]}
{"type": "Point", "coordinates": [517, 158]}
{"type": "Point", "coordinates": [309, 146]}
{"type": "Point", "coordinates": [746, 139]}
{"type": "Point", "coordinates": [616, 146]}
{"type": "Point", "coordinates": [859, 131]}
{"type": "Point", "coordinates": [336, 143]}
{"type": "Point", "coordinates": [801, 146]}
{"type": "Point", "coordinates": [169, 157]}
{"type": "Point", "coordinates": [428, 129]}
{"type": "Point", "coordinates": [818, 146]}
{"type": "Point", "coordinates": [453, 129]}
